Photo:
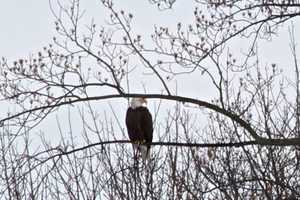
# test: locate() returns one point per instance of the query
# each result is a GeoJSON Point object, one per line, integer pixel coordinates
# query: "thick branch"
{"type": "Point", "coordinates": [231, 115]}
{"type": "Point", "coordinates": [200, 103]}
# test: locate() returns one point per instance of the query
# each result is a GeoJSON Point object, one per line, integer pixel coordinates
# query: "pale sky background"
{"type": "Point", "coordinates": [28, 26]}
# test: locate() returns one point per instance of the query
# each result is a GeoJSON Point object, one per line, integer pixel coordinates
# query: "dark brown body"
{"type": "Point", "coordinates": [139, 125]}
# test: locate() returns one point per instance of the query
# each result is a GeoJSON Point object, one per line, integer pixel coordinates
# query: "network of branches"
{"type": "Point", "coordinates": [235, 136]}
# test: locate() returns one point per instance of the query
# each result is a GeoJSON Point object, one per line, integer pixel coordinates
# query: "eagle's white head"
{"type": "Point", "coordinates": [137, 102]}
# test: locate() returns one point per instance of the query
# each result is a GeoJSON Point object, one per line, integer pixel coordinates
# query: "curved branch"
{"type": "Point", "coordinates": [236, 118]}
{"type": "Point", "coordinates": [182, 99]}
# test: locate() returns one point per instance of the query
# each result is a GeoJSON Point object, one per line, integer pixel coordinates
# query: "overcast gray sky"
{"type": "Point", "coordinates": [25, 27]}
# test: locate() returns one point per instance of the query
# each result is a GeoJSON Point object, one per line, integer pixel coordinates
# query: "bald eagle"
{"type": "Point", "coordinates": [140, 127]}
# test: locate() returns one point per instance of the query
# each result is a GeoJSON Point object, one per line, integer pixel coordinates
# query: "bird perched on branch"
{"type": "Point", "coordinates": [140, 127]}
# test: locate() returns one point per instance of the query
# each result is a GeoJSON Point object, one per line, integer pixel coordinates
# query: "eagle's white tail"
{"type": "Point", "coordinates": [145, 151]}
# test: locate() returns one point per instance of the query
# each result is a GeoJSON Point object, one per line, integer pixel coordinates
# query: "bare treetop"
{"type": "Point", "coordinates": [235, 136]}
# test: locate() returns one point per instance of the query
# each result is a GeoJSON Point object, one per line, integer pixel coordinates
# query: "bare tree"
{"type": "Point", "coordinates": [241, 143]}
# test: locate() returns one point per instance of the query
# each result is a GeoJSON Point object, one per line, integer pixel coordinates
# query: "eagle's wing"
{"type": "Point", "coordinates": [147, 125]}
{"type": "Point", "coordinates": [133, 123]}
